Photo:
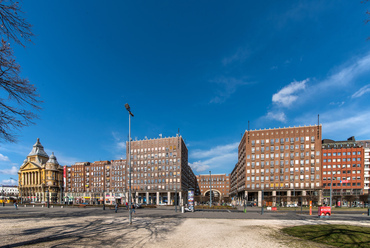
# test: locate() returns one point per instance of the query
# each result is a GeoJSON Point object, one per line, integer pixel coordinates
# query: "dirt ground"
{"type": "Point", "coordinates": [112, 231]}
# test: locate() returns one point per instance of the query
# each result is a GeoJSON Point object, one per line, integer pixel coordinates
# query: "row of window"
{"type": "Point", "coordinates": [340, 154]}
{"type": "Point", "coordinates": [153, 149]}
{"type": "Point", "coordinates": [282, 178]}
{"type": "Point", "coordinates": [338, 160]}
{"type": "Point", "coordinates": [341, 185]}
{"type": "Point", "coordinates": [282, 140]}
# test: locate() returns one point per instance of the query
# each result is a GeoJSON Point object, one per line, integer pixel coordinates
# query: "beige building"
{"type": "Point", "coordinates": [40, 177]}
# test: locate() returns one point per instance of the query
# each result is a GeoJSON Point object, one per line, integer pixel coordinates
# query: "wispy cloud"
{"type": "Point", "coordinates": [12, 171]}
{"type": "Point", "coordinates": [350, 125]}
{"type": "Point", "coordinates": [119, 146]}
{"type": "Point", "coordinates": [279, 116]}
{"type": "Point", "coordinates": [287, 95]}
{"type": "Point", "coordinates": [9, 182]}
{"type": "Point", "coordinates": [226, 87]}
{"type": "Point", "coordinates": [3, 158]}
{"type": "Point", "coordinates": [222, 156]}
{"type": "Point", "coordinates": [239, 56]}
{"type": "Point", "coordinates": [361, 91]}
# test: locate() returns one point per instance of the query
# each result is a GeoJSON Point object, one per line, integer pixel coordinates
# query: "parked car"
{"type": "Point", "coordinates": [294, 205]}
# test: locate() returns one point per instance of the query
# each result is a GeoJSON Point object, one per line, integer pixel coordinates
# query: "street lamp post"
{"type": "Point", "coordinates": [104, 171]}
{"type": "Point", "coordinates": [175, 198]}
{"type": "Point", "coordinates": [47, 195]}
{"type": "Point", "coordinates": [129, 159]}
{"type": "Point", "coordinates": [210, 189]}
{"type": "Point", "coordinates": [331, 186]}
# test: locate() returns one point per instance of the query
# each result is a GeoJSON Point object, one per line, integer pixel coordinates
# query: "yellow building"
{"type": "Point", "coordinates": [40, 177]}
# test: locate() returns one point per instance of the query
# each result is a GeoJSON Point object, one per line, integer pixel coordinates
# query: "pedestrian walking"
{"type": "Point", "coordinates": [127, 205]}
{"type": "Point", "coordinates": [133, 208]}
{"type": "Point", "coordinates": [116, 207]}
{"type": "Point", "coordinates": [15, 205]}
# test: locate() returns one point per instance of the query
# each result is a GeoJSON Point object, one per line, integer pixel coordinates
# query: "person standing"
{"type": "Point", "coordinates": [15, 205]}
{"type": "Point", "coordinates": [133, 208]}
{"type": "Point", "coordinates": [116, 207]}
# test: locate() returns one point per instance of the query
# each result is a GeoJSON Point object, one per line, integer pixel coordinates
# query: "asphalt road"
{"type": "Point", "coordinates": [169, 212]}
{"type": "Point", "coordinates": [156, 227]}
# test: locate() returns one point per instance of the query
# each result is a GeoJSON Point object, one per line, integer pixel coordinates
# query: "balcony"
{"type": "Point", "coordinates": [312, 148]}
{"type": "Point", "coordinates": [312, 164]}
{"type": "Point", "coordinates": [312, 156]}
{"type": "Point", "coordinates": [281, 142]}
{"type": "Point", "coordinates": [291, 157]}
{"type": "Point", "coordinates": [302, 141]}
{"type": "Point", "coordinates": [262, 143]}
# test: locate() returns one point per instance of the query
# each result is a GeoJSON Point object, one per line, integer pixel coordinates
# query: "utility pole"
{"type": "Point", "coordinates": [210, 189]}
{"type": "Point", "coordinates": [129, 160]}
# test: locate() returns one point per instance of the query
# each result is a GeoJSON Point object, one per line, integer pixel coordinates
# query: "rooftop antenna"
{"type": "Point", "coordinates": [248, 132]}
{"type": "Point", "coordinates": [318, 126]}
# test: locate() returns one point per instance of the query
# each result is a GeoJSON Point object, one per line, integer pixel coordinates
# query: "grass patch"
{"type": "Point", "coordinates": [335, 235]}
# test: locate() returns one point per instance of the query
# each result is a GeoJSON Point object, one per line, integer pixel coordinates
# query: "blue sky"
{"type": "Point", "coordinates": [206, 67]}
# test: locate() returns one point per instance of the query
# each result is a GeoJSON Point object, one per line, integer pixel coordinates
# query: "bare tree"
{"type": "Point", "coordinates": [18, 98]}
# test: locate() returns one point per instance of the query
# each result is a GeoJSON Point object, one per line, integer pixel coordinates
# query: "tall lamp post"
{"type": "Point", "coordinates": [129, 159]}
{"type": "Point", "coordinates": [331, 186]}
{"type": "Point", "coordinates": [15, 180]}
{"type": "Point", "coordinates": [210, 189]}
{"type": "Point", "coordinates": [104, 171]}
{"type": "Point", "coordinates": [47, 195]}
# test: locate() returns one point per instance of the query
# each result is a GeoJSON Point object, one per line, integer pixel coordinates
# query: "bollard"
{"type": "Point", "coordinates": [33, 206]}
{"type": "Point", "coordinates": [42, 206]}
{"type": "Point", "coordinates": [182, 209]}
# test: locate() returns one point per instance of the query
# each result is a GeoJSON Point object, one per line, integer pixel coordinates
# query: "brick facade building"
{"type": "Point", "coordinates": [284, 164]}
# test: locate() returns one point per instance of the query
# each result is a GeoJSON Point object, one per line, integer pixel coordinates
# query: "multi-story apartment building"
{"type": "Point", "coordinates": [342, 169]}
{"type": "Point", "coordinates": [96, 182]}
{"type": "Point", "coordinates": [220, 184]}
{"type": "Point", "coordinates": [160, 170]}
{"type": "Point", "coordinates": [283, 164]}
{"type": "Point", "coordinates": [366, 145]}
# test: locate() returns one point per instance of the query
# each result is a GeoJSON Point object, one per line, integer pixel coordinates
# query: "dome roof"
{"type": "Point", "coordinates": [38, 150]}
{"type": "Point", "coordinates": [53, 159]}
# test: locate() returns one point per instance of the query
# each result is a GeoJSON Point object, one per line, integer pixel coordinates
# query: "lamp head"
{"type": "Point", "coordinates": [127, 107]}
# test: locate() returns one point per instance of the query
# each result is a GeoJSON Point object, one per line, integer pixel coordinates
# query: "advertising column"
{"type": "Point", "coordinates": [191, 200]}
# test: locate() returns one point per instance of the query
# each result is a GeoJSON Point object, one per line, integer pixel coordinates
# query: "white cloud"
{"type": "Point", "coordinates": [288, 95]}
{"type": "Point", "coordinates": [3, 158]}
{"type": "Point", "coordinates": [345, 75]}
{"type": "Point", "coordinates": [361, 91]}
{"type": "Point", "coordinates": [12, 171]}
{"type": "Point", "coordinates": [119, 146]}
{"type": "Point", "coordinates": [220, 157]}
{"type": "Point", "coordinates": [354, 125]}
{"type": "Point", "coordinates": [227, 86]}
{"type": "Point", "coordinates": [199, 166]}
{"type": "Point", "coordinates": [9, 182]}
{"type": "Point", "coordinates": [216, 151]}
{"type": "Point", "coordinates": [276, 116]}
